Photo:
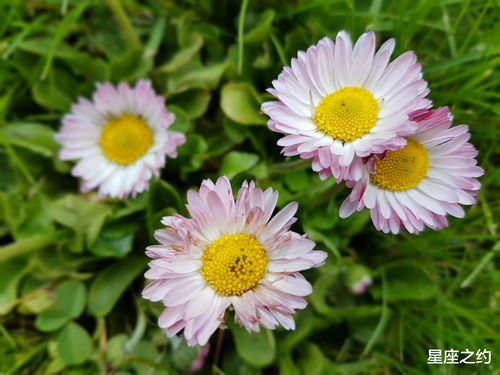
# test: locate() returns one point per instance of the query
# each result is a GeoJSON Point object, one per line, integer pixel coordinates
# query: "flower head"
{"type": "Point", "coordinates": [419, 184]}
{"type": "Point", "coordinates": [229, 253]}
{"type": "Point", "coordinates": [338, 104]}
{"type": "Point", "coordinates": [120, 138]}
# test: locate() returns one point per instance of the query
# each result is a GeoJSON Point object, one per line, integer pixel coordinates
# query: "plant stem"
{"type": "Point", "coordinates": [241, 29]}
{"type": "Point", "coordinates": [124, 22]}
{"type": "Point", "coordinates": [31, 244]}
{"type": "Point", "coordinates": [218, 347]}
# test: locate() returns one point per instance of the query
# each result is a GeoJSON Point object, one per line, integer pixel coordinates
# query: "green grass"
{"type": "Point", "coordinates": [70, 260]}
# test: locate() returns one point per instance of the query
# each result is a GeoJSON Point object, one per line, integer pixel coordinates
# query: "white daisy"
{"type": "Point", "coordinates": [420, 184]}
{"type": "Point", "coordinates": [338, 104]}
{"type": "Point", "coordinates": [120, 138]}
{"type": "Point", "coordinates": [229, 253]}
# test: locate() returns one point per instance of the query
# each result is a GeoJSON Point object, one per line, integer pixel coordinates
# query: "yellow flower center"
{"type": "Point", "coordinates": [402, 169]}
{"type": "Point", "coordinates": [346, 114]}
{"type": "Point", "coordinates": [234, 264]}
{"type": "Point", "coordinates": [125, 139]}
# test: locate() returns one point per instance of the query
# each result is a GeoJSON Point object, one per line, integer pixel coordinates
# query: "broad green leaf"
{"type": "Point", "coordinates": [80, 62]}
{"type": "Point", "coordinates": [184, 356]}
{"type": "Point", "coordinates": [130, 66]}
{"type": "Point", "coordinates": [313, 361]}
{"type": "Point", "coordinates": [11, 272]}
{"type": "Point", "coordinates": [193, 102]}
{"type": "Point", "coordinates": [201, 77]}
{"type": "Point", "coordinates": [35, 302]}
{"type": "Point", "coordinates": [69, 304]}
{"type": "Point", "coordinates": [182, 122]}
{"type": "Point", "coordinates": [297, 181]}
{"type": "Point", "coordinates": [110, 284]}
{"type": "Point", "coordinates": [241, 103]}
{"type": "Point", "coordinates": [42, 45]}
{"type": "Point", "coordinates": [162, 194]}
{"type": "Point", "coordinates": [261, 32]}
{"type": "Point", "coordinates": [35, 137]}
{"type": "Point", "coordinates": [184, 55]}
{"type": "Point", "coordinates": [56, 91]}
{"type": "Point", "coordinates": [192, 154]}
{"type": "Point", "coordinates": [35, 213]}
{"type": "Point", "coordinates": [257, 349]}
{"type": "Point", "coordinates": [84, 216]}
{"type": "Point", "coordinates": [236, 162]}
{"type": "Point", "coordinates": [115, 240]}
{"type": "Point", "coordinates": [74, 344]}
{"type": "Point", "coordinates": [287, 365]}
{"type": "Point", "coordinates": [407, 280]}
{"type": "Point", "coordinates": [145, 360]}
{"type": "Point", "coordinates": [116, 350]}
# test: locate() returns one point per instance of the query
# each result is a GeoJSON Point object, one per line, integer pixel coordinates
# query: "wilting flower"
{"type": "Point", "coordinates": [229, 253]}
{"type": "Point", "coordinates": [198, 363]}
{"type": "Point", "coordinates": [338, 104]}
{"type": "Point", "coordinates": [120, 138]}
{"type": "Point", "coordinates": [421, 183]}
{"type": "Point", "coordinates": [361, 285]}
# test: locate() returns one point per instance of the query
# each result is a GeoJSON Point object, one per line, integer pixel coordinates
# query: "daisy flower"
{"type": "Point", "coordinates": [120, 138]}
{"type": "Point", "coordinates": [337, 104]}
{"type": "Point", "coordinates": [230, 253]}
{"type": "Point", "coordinates": [419, 184]}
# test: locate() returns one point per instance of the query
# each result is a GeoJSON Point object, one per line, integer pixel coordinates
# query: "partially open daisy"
{"type": "Point", "coordinates": [419, 184]}
{"type": "Point", "coordinates": [120, 138]}
{"type": "Point", "coordinates": [229, 253]}
{"type": "Point", "coordinates": [338, 104]}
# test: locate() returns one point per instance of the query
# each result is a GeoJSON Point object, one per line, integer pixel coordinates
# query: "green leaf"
{"type": "Point", "coordinates": [257, 349]}
{"type": "Point", "coordinates": [184, 55]}
{"type": "Point", "coordinates": [145, 360]}
{"type": "Point", "coordinates": [54, 92]}
{"type": "Point", "coordinates": [297, 181]}
{"type": "Point", "coordinates": [35, 213]}
{"type": "Point", "coordinates": [110, 284]}
{"type": "Point", "coordinates": [262, 30]}
{"type": "Point", "coordinates": [236, 162]}
{"type": "Point", "coordinates": [313, 361]}
{"type": "Point", "coordinates": [51, 320]}
{"type": "Point", "coordinates": [37, 138]}
{"type": "Point", "coordinates": [11, 273]}
{"type": "Point", "coordinates": [407, 280]}
{"type": "Point", "coordinates": [115, 240]}
{"type": "Point", "coordinates": [193, 102]}
{"type": "Point", "coordinates": [69, 304]}
{"type": "Point", "coordinates": [182, 122]}
{"type": "Point", "coordinates": [34, 303]}
{"type": "Point", "coordinates": [116, 350]}
{"type": "Point", "coordinates": [192, 154]}
{"type": "Point", "coordinates": [84, 216]}
{"type": "Point", "coordinates": [80, 62]}
{"type": "Point", "coordinates": [240, 102]}
{"type": "Point", "coordinates": [184, 356]}
{"type": "Point", "coordinates": [74, 344]}
{"type": "Point", "coordinates": [130, 66]}
{"type": "Point", "coordinates": [202, 77]}
{"type": "Point", "coordinates": [162, 194]}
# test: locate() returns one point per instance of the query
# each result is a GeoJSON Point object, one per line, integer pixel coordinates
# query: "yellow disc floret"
{"type": "Point", "coordinates": [402, 169]}
{"type": "Point", "coordinates": [125, 139]}
{"type": "Point", "coordinates": [234, 264]}
{"type": "Point", "coordinates": [346, 114]}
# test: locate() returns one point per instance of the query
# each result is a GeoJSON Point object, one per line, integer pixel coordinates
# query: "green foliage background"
{"type": "Point", "coordinates": [71, 265]}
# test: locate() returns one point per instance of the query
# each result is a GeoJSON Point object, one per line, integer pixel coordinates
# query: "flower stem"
{"type": "Point", "coordinates": [218, 347]}
{"type": "Point", "coordinates": [124, 22]}
{"type": "Point", "coordinates": [241, 30]}
{"type": "Point", "coordinates": [31, 244]}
